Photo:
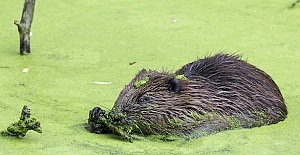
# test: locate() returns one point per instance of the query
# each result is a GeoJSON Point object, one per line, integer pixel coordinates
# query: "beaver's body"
{"type": "Point", "coordinates": [216, 93]}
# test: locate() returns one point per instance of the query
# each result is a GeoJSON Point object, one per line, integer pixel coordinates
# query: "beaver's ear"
{"type": "Point", "coordinates": [174, 85]}
{"type": "Point", "coordinates": [143, 71]}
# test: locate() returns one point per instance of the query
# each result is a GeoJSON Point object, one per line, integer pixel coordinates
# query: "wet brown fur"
{"type": "Point", "coordinates": [225, 91]}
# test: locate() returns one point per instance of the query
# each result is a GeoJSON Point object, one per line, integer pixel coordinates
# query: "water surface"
{"type": "Point", "coordinates": [78, 42]}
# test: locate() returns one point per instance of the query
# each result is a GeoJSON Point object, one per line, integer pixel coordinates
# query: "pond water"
{"type": "Point", "coordinates": [76, 43]}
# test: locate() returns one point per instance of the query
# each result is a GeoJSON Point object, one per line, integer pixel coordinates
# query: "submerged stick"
{"type": "Point", "coordinates": [24, 26]}
{"type": "Point", "coordinates": [294, 4]}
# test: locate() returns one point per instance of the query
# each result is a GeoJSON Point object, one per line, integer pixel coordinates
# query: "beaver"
{"type": "Point", "coordinates": [209, 95]}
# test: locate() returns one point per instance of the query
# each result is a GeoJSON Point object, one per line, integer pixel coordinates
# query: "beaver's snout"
{"type": "Point", "coordinates": [96, 121]}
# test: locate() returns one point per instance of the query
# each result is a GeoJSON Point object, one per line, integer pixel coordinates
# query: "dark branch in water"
{"type": "Point", "coordinates": [294, 4]}
{"type": "Point", "coordinates": [25, 113]}
{"type": "Point", "coordinates": [24, 26]}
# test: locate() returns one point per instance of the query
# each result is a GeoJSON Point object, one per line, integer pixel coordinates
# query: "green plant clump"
{"type": "Point", "coordinates": [25, 124]}
{"type": "Point", "coordinates": [141, 82]}
{"type": "Point", "coordinates": [181, 77]}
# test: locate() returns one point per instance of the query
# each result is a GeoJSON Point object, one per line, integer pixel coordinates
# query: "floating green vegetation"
{"type": "Point", "coordinates": [128, 132]}
{"type": "Point", "coordinates": [197, 117]}
{"type": "Point", "coordinates": [143, 127]}
{"type": "Point", "coordinates": [233, 122]}
{"type": "Point", "coordinates": [201, 118]}
{"type": "Point", "coordinates": [176, 122]}
{"type": "Point", "coordinates": [181, 77]}
{"type": "Point", "coordinates": [114, 122]}
{"type": "Point", "coordinates": [196, 134]}
{"type": "Point", "coordinates": [25, 124]}
{"type": "Point", "coordinates": [104, 36]}
{"type": "Point", "coordinates": [141, 82]}
{"type": "Point", "coordinates": [168, 138]}
{"type": "Point", "coordinates": [259, 118]}
{"type": "Point", "coordinates": [146, 110]}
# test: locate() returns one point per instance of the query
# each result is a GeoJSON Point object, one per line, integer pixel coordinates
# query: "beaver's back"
{"type": "Point", "coordinates": [249, 89]}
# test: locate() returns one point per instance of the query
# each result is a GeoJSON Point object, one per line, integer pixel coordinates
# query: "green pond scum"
{"type": "Point", "coordinates": [141, 82]}
{"type": "Point", "coordinates": [74, 43]}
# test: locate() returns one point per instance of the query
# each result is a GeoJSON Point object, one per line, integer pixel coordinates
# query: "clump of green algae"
{"type": "Point", "coordinates": [25, 124]}
{"type": "Point", "coordinates": [181, 77]}
{"type": "Point", "coordinates": [141, 82]}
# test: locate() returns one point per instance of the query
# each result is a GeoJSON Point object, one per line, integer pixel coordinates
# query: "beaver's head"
{"type": "Point", "coordinates": [150, 97]}
{"type": "Point", "coordinates": [141, 90]}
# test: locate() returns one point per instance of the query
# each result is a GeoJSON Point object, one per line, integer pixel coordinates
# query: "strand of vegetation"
{"type": "Point", "coordinates": [24, 26]}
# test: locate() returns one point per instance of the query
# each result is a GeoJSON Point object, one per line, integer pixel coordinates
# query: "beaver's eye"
{"type": "Point", "coordinates": [142, 100]}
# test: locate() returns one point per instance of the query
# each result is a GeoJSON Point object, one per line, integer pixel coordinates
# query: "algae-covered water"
{"type": "Point", "coordinates": [75, 43]}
